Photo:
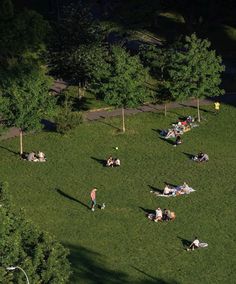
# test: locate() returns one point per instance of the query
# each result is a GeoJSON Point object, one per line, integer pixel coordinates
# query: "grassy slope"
{"type": "Point", "coordinates": [119, 245]}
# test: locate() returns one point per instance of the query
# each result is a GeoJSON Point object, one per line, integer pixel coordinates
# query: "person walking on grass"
{"type": "Point", "coordinates": [217, 107]}
{"type": "Point", "coordinates": [93, 198]}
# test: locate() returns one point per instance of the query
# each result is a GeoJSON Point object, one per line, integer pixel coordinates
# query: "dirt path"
{"type": "Point", "coordinates": [229, 98]}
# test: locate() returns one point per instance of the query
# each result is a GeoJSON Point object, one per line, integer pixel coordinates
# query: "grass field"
{"type": "Point", "coordinates": [119, 244]}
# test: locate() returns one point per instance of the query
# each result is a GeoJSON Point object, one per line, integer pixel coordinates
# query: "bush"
{"type": "Point", "coordinates": [24, 245]}
{"type": "Point", "coordinates": [67, 119]}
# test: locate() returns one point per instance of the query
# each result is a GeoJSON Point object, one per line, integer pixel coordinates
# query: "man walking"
{"type": "Point", "coordinates": [93, 198]}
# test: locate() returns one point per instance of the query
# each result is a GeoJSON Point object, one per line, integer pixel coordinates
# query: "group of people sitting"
{"type": "Point", "coordinates": [33, 157]}
{"type": "Point", "coordinates": [113, 162]}
{"type": "Point", "coordinates": [179, 128]}
{"type": "Point", "coordinates": [200, 157]}
{"type": "Point", "coordinates": [165, 215]}
{"type": "Point", "coordinates": [177, 190]}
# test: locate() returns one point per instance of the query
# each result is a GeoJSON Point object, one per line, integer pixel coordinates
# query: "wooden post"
{"type": "Point", "coordinates": [123, 119]}
{"type": "Point", "coordinates": [21, 141]}
{"type": "Point", "coordinates": [198, 111]}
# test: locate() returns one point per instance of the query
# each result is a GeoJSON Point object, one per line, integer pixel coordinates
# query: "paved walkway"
{"type": "Point", "coordinates": [229, 98]}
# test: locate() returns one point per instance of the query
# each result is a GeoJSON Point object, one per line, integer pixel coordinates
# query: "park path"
{"type": "Point", "coordinates": [228, 98]}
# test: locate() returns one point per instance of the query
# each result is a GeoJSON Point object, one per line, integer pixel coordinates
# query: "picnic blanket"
{"type": "Point", "coordinates": [176, 192]}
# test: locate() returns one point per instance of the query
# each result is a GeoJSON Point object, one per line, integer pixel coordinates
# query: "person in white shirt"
{"type": "Point", "coordinates": [194, 244]}
{"type": "Point", "coordinates": [158, 215]}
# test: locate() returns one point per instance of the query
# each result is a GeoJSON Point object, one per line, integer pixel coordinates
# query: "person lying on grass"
{"type": "Point", "coordinates": [201, 157]}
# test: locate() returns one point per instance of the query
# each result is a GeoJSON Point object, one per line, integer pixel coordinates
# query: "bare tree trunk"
{"type": "Point", "coordinates": [21, 141]}
{"type": "Point", "coordinates": [165, 110]}
{"type": "Point", "coordinates": [123, 119]}
{"type": "Point", "coordinates": [198, 111]}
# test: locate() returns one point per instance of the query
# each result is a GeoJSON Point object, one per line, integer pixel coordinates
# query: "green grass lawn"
{"type": "Point", "coordinates": [119, 244]}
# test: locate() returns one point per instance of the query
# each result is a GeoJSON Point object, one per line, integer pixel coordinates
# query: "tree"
{"type": "Point", "coordinates": [22, 33]}
{"type": "Point", "coordinates": [24, 97]}
{"type": "Point", "coordinates": [157, 59]}
{"type": "Point", "coordinates": [125, 85]}
{"type": "Point", "coordinates": [76, 48]}
{"type": "Point", "coordinates": [195, 71]}
{"type": "Point", "coordinates": [24, 245]}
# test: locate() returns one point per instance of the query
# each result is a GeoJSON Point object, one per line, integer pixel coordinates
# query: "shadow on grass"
{"type": "Point", "coordinates": [70, 197]}
{"type": "Point", "coordinates": [194, 107]}
{"type": "Point", "coordinates": [154, 279]}
{"type": "Point", "coordinates": [147, 211]}
{"type": "Point", "coordinates": [100, 161]}
{"type": "Point", "coordinates": [88, 267]}
{"type": "Point", "coordinates": [167, 141]}
{"type": "Point", "coordinates": [190, 156]}
{"type": "Point", "coordinates": [108, 124]}
{"type": "Point", "coordinates": [185, 243]}
{"type": "Point", "coordinates": [155, 189]}
{"type": "Point", "coordinates": [48, 125]}
{"type": "Point", "coordinates": [9, 150]}
{"type": "Point", "coordinates": [157, 130]}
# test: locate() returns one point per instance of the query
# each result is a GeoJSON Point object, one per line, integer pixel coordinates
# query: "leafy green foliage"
{"type": "Point", "coordinates": [125, 86]}
{"type": "Point", "coordinates": [22, 33]}
{"type": "Point", "coordinates": [157, 59]}
{"type": "Point", "coordinates": [24, 245]}
{"type": "Point", "coordinates": [67, 119]}
{"type": "Point", "coordinates": [25, 96]}
{"type": "Point", "coordinates": [76, 48]}
{"type": "Point", "coordinates": [195, 71]}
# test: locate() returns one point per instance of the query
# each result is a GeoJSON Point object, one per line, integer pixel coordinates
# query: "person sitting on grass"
{"type": "Point", "coordinates": [159, 215]}
{"type": "Point", "coordinates": [41, 157]}
{"type": "Point", "coordinates": [109, 162]}
{"type": "Point", "coordinates": [201, 157]}
{"type": "Point", "coordinates": [166, 215]}
{"type": "Point", "coordinates": [194, 244]}
{"type": "Point", "coordinates": [116, 162]}
{"type": "Point", "coordinates": [167, 190]}
{"type": "Point", "coordinates": [31, 157]}
{"type": "Point", "coordinates": [178, 141]}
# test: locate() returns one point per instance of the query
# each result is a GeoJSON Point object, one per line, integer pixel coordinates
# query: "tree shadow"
{"type": "Point", "coordinates": [89, 267]}
{"type": "Point", "coordinates": [190, 156]}
{"type": "Point", "coordinates": [167, 141]}
{"type": "Point", "coordinates": [71, 198]}
{"type": "Point", "coordinates": [154, 279]}
{"type": "Point", "coordinates": [48, 125]}
{"type": "Point", "coordinates": [9, 150]}
{"type": "Point", "coordinates": [155, 189]}
{"type": "Point", "coordinates": [194, 107]}
{"type": "Point", "coordinates": [147, 211]}
{"type": "Point", "coordinates": [100, 161]}
{"type": "Point", "coordinates": [108, 124]}
{"type": "Point", "coordinates": [185, 243]}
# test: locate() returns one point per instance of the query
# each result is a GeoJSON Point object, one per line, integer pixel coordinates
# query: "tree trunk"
{"type": "Point", "coordinates": [165, 110]}
{"type": "Point", "coordinates": [21, 141]}
{"type": "Point", "coordinates": [123, 119]}
{"type": "Point", "coordinates": [198, 111]}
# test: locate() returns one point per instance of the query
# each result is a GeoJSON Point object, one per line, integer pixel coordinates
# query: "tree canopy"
{"type": "Point", "coordinates": [24, 96]}
{"type": "Point", "coordinates": [24, 245]}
